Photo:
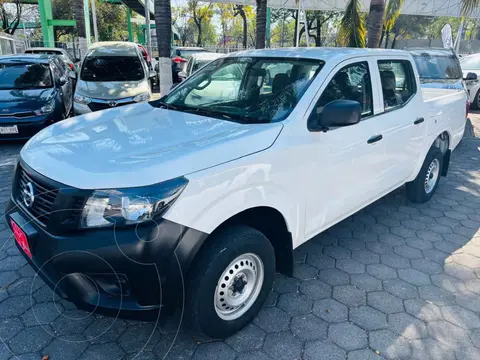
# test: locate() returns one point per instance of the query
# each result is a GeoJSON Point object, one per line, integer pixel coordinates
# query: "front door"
{"type": "Point", "coordinates": [345, 171]}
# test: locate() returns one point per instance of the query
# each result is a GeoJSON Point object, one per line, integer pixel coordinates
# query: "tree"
{"type": "Point", "coordinates": [9, 27]}
{"type": "Point", "coordinates": [200, 14]}
{"type": "Point", "coordinates": [375, 23]}
{"type": "Point", "coordinates": [163, 22]}
{"type": "Point", "coordinates": [261, 24]}
{"type": "Point", "coordinates": [62, 9]}
{"type": "Point", "coordinates": [352, 31]}
{"type": "Point", "coordinates": [179, 15]}
{"type": "Point", "coordinates": [243, 28]}
{"type": "Point", "coordinates": [391, 15]}
{"type": "Point", "coordinates": [226, 13]}
{"type": "Point", "coordinates": [469, 5]}
{"type": "Point", "coordinates": [242, 11]}
{"type": "Point", "coordinates": [77, 7]}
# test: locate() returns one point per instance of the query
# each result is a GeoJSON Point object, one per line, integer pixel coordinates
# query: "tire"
{"type": "Point", "coordinates": [236, 249]}
{"type": "Point", "coordinates": [421, 190]}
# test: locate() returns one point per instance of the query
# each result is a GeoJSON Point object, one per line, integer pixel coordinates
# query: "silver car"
{"type": "Point", "coordinates": [113, 74]}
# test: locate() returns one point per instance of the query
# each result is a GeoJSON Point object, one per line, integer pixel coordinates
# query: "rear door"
{"type": "Point", "coordinates": [399, 118]}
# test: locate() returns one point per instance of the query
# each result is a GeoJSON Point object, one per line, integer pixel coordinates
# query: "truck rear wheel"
{"type": "Point", "coordinates": [423, 187]}
{"type": "Point", "coordinates": [229, 281]}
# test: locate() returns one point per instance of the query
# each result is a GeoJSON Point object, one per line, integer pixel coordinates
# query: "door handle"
{"type": "Point", "coordinates": [374, 139]}
{"type": "Point", "coordinates": [419, 121]}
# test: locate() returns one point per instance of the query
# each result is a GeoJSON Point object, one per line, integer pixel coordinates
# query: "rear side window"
{"type": "Point", "coordinates": [438, 67]}
{"type": "Point", "coordinates": [398, 82]}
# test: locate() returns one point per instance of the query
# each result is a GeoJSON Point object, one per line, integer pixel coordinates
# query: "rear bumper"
{"type": "Point", "coordinates": [124, 270]}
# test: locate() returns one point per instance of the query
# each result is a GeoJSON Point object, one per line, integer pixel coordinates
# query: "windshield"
{"type": "Point", "coordinates": [245, 89]}
{"type": "Point", "coordinates": [470, 63]}
{"type": "Point", "coordinates": [438, 67]}
{"type": "Point", "coordinates": [25, 76]}
{"type": "Point", "coordinates": [112, 68]}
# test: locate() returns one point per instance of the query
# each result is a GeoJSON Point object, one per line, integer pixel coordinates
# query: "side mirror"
{"type": "Point", "coordinates": [334, 114]}
{"type": "Point", "coordinates": [471, 76]}
{"type": "Point", "coordinates": [62, 81]}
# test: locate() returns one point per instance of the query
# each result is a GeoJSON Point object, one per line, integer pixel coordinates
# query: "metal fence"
{"type": "Point", "coordinates": [72, 47]}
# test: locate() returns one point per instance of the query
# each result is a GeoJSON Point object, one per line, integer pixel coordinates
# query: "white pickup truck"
{"type": "Point", "coordinates": [198, 198]}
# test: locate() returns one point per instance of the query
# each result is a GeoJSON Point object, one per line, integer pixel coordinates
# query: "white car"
{"type": "Point", "coordinates": [171, 202]}
{"type": "Point", "coordinates": [112, 74]}
{"type": "Point", "coordinates": [471, 71]}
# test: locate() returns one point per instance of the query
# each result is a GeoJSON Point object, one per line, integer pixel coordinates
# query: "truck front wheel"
{"type": "Point", "coordinates": [229, 281]}
{"type": "Point", "coordinates": [423, 187]}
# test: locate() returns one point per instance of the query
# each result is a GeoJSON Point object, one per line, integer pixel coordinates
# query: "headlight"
{"type": "Point", "coordinates": [82, 99]}
{"type": "Point", "coordinates": [131, 205]}
{"type": "Point", "coordinates": [142, 97]}
{"type": "Point", "coordinates": [47, 108]}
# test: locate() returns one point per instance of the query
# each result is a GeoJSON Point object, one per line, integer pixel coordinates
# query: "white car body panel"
{"type": "Point", "coordinates": [314, 179]}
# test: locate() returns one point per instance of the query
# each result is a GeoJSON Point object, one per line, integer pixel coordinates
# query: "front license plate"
{"type": "Point", "coordinates": [7, 130]}
{"type": "Point", "coordinates": [21, 238]}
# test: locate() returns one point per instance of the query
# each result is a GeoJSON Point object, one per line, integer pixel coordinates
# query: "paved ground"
{"type": "Point", "coordinates": [396, 280]}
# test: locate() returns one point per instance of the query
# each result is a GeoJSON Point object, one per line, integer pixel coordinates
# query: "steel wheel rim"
{"type": "Point", "coordinates": [431, 177]}
{"type": "Point", "coordinates": [239, 286]}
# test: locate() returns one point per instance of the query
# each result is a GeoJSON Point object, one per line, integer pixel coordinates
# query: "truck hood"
{"type": "Point", "coordinates": [112, 90]}
{"type": "Point", "coordinates": [139, 145]}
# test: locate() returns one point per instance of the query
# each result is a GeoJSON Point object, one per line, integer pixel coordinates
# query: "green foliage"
{"type": "Point", "coordinates": [352, 31]}
{"type": "Point", "coordinates": [392, 13]}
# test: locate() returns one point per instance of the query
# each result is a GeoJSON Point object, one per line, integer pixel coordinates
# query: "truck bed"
{"type": "Point", "coordinates": [445, 105]}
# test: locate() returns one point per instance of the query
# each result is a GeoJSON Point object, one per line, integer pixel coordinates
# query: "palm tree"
{"type": "Point", "coordinates": [163, 24]}
{"type": "Point", "coordinates": [375, 23]}
{"type": "Point", "coordinates": [261, 24]}
{"type": "Point", "coordinates": [352, 28]}
{"type": "Point", "coordinates": [391, 15]}
{"type": "Point", "coordinates": [469, 5]}
{"type": "Point", "coordinates": [77, 6]}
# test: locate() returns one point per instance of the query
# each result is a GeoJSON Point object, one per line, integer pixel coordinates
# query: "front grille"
{"type": "Point", "coordinates": [95, 106]}
{"type": "Point", "coordinates": [20, 115]}
{"type": "Point", "coordinates": [44, 197]}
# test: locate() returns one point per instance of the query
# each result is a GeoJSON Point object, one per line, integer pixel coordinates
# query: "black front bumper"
{"type": "Point", "coordinates": [135, 269]}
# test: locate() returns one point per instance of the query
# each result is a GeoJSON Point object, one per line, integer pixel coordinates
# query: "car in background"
{"type": "Point", "coordinates": [197, 61]}
{"type": "Point", "coordinates": [439, 68]}
{"type": "Point", "coordinates": [471, 70]}
{"type": "Point", "coordinates": [73, 64]}
{"type": "Point", "coordinates": [113, 74]}
{"type": "Point", "coordinates": [180, 56]}
{"type": "Point", "coordinates": [34, 93]}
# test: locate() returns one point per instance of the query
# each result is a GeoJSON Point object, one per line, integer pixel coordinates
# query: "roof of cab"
{"type": "Point", "coordinates": [113, 48]}
{"type": "Point", "coordinates": [320, 53]}
{"type": "Point", "coordinates": [27, 58]}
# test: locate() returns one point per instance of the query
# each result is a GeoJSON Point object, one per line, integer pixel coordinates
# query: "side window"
{"type": "Point", "coordinates": [351, 83]}
{"type": "Point", "coordinates": [398, 82]}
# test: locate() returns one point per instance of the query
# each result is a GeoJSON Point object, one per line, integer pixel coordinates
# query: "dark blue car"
{"type": "Point", "coordinates": [35, 91]}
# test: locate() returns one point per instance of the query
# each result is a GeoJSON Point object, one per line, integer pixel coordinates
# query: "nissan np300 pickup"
{"type": "Point", "coordinates": [199, 197]}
